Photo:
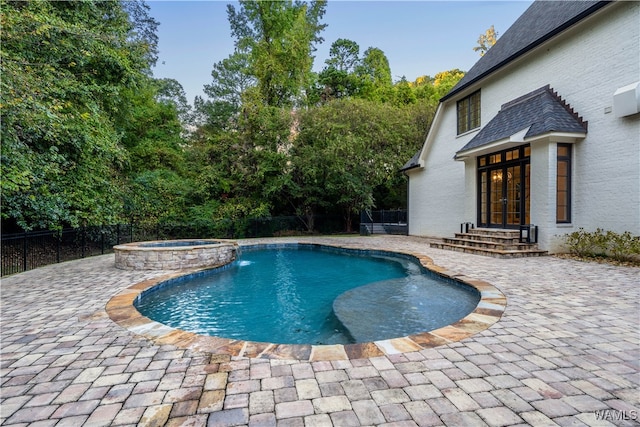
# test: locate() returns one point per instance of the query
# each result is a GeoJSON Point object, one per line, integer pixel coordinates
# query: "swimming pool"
{"type": "Point", "coordinates": [308, 294]}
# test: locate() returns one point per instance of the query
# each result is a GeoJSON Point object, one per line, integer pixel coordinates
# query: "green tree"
{"type": "Point", "coordinates": [444, 81]}
{"type": "Point", "coordinates": [240, 171]}
{"type": "Point", "coordinates": [64, 68]}
{"type": "Point", "coordinates": [155, 179]}
{"type": "Point", "coordinates": [376, 76]}
{"type": "Point", "coordinates": [231, 78]}
{"type": "Point", "coordinates": [338, 79]}
{"type": "Point", "coordinates": [344, 55]}
{"type": "Point", "coordinates": [336, 84]}
{"type": "Point", "coordinates": [404, 93]}
{"type": "Point", "coordinates": [433, 88]}
{"type": "Point", "coordinates": [143, 32]}
{"type": "Point", "coordinates": [151, 131]}
{"type": "Point", "coordinates": [170, 91]}
{"type": "Point", "coordinates": [348, 153]}
{"type": "Point", "coordinates": [280, 37]}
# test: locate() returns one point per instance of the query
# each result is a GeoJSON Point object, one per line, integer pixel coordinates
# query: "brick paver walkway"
{"type": "Point", "coordinates": [566, 352]}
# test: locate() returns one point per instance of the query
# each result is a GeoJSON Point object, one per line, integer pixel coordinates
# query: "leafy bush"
{"type": "Point", "coordinates": [621, 247]}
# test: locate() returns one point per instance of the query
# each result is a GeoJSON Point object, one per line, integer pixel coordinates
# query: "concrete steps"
{"type": "Point", "coordinates": [380, 228]}
{"type": "Point", "coordinates": [497, 243]}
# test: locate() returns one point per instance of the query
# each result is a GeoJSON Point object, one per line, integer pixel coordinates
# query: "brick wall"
{"type": "Point", "coordinates": [585, 66]}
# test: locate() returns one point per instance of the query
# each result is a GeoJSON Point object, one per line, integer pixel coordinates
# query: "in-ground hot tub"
{"type": "Point", "coordinates": [175, 254]}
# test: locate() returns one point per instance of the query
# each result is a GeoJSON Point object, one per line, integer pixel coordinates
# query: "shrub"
{"type": "Point", "coordinates": [585, 244]}
{"type": "Point", "coordinates": [621, 247]}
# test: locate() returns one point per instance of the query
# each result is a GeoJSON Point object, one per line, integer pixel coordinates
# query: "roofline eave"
{"type": "Point", "coordinates": [411, 168]}
{"type": "Point", "coordinates": [456, 90]}
{"type": "Point", "coordinates": [509, 142]}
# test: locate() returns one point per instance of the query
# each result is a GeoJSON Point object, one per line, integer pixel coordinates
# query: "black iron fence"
{"type": "Point", "coordinates": [383, 222]}
{"type": "Point", "coordinates": [29, 250]}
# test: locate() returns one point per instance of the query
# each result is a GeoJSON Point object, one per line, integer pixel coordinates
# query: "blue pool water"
{"type": "Point", "coordinates": [286, 295]}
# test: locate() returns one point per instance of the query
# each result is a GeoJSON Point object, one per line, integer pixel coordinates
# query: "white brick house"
{"type": "Point", "coordinates": [544, 129]}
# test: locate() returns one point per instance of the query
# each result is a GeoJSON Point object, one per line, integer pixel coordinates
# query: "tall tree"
{"type": "Point", "coordinates": [339, 79]}
{"type": "Point", "coordinates": [240, 169]}
{"type": "Point", "coordinates": [344, 55]}
{"type": "Point", "coordinates": [349, 151]}
{"type": "Point", "coordinates": [376, 75]}
{"type": "Point", "coordinates": [143, 33]}
{"type": "Point", "coordinates": [434, 88]}
{"type": "Point", "coordinates": [404, 94]}
{"type": "Point", "coordinates": [64, 67]}
{"type": "Point", "coordinates": [280, 37]}
{"type": "Point", "coordinates": [170, 91]}
{"type": "Point", "coordinates": [231, 78]}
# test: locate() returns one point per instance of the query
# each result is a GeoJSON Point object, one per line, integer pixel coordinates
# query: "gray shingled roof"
{"type": "Point", "coordinates": [541, 21]}
{"type": "Point", "coordinates": [412, 163]}
{"type": "Point", "coordinates": [541, 111]}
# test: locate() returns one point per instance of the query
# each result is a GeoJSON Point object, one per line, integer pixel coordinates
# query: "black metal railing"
{"type": "Point", "coordinates": [383, 222]}
{"type": "Point", "coordinates": [29, 250]}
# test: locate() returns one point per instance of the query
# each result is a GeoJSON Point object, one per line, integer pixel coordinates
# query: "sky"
{"type": "Point", "coordinates": [418, 37]}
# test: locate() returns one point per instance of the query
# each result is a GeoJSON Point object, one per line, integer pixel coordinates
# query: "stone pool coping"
{"type": "Point", "coordinates": [489, 310]}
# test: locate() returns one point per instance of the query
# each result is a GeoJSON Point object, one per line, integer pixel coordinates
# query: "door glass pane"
{"type": "Point", "coordinates": [526, 195]}
{"type": "Point", "coordinates": [496, 197]}
{"type": "Point", "coordinates": [484, 194]}
{"type": "Point", "coordinates": [513, 195]}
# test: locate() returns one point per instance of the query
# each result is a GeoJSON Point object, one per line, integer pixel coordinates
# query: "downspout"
{"type": "Point", "coordinates": [408, 198]}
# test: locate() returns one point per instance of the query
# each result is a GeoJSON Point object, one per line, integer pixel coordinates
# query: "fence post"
{"type": "Point", "coordinates": [102, 239]}
{"type": "Point", "coordinates": [58, 246]}
{"type": "Point", "coordinates": [83, 240]}
{"type": "Point", "coordinates": [24, 252]}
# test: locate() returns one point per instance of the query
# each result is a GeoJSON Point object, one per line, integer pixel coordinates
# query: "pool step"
{"type": "Point", "coordinates": [497, 243]}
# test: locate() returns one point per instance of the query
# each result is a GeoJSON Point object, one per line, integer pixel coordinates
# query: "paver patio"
{"type": "Point", "coordinates": [565, 352]}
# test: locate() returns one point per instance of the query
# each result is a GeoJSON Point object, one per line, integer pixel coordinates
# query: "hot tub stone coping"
{"type": "Point", "coordinates": [489, 310]}
{"type": "Point", "coordinates": [143, 246]}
